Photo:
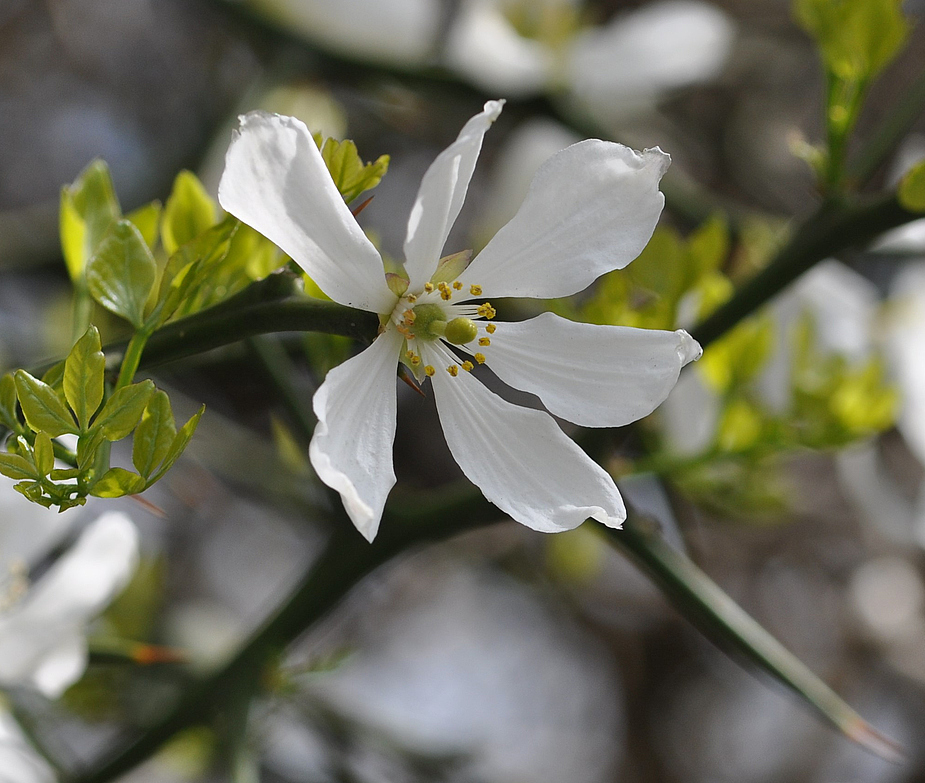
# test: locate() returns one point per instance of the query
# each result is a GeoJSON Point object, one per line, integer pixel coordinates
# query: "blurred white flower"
{"type": "Point", "coordinates": [591, 209]}
{"type": "Point", "coordinates": [625, 67]}
{"type": "Point", "coordinates": [42, 632]}
{"type": "Point", "coordinates": [19, 763]}
{"type": "Point", "coordinates": [394, 32]}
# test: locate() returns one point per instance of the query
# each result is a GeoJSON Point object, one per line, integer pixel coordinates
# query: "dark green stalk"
{"type": "Point", "coordinates": [833, 228]}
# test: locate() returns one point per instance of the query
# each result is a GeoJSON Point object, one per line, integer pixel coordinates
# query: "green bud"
{"type": "Point", "coordinates": [460, 331]}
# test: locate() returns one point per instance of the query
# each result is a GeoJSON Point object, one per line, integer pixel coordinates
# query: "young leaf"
{"type": "Point", "coordinates": [122, 411]}
{"type": "Point", "coordinates": [88, 208]}
{"type": "Point", "coordinates": [8, 402]}
{"type": "Point", "coordinates": [17, 467]}
{"type": "Point", "coordinates": [117, 482]}
{"type": "Point", "coordinates": [348, 171]}
{"type": "Point", "coordinates": [155, 435]}
{"type": "Point", "coordinates": [911, 192]}
{"type": "Point", "coordinates": [188, 213]}
{"type": "Point", "coordinates": [179, 444]}
{"type": "Point", "coordinates": [121, 273]}
{"type": "Point", "coordinates": [146, 220]}
{"type": "Point", "coordinates": [44, 410]}
{"type": "Point", "coordinates": [84, 371]}
{"type": "Point", "coordinates": [44, 454]}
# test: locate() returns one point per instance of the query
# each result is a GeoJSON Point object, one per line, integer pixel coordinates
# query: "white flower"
{"type": "Point", "coordinates": [19, 762]}
{"type": "Point", "coordinates": [42, 634]}
{"type": "Point", "coordinates": [591, 209]}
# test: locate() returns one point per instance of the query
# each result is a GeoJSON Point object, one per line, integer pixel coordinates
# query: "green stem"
{"type": "Point", "coordinates": [83, 310]}
{"type": "Point", "coordinates": [833, 228]}
{"type": "Point", "coordinates": [131, 359]}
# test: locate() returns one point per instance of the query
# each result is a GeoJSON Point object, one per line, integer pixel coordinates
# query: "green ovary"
{"type": "Point", "coordinates": [430, 324]}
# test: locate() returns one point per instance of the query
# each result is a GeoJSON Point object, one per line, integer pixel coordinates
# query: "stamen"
{"type": "Point", "coordinates": [480, 358]}
{"type": "Point", "coordinates": [453, 370]}
{"type": "Point", "coordinates": [445, 292]}
{"type": "Point", "coordinates": [490, 328]}
{"type": "Point", "coordinates": [467, 366]}
{"type": "Point", "coordinates": [429, 370]}
{"type": "Point", "coordinates": [484, 341]}
{"type": "Point", "coordinates": [487, 311]}
{"type": "Point", "coordinates": [457, 285]}
{"type": "Point", "coordinates": [415, 360]}
{"type": "Point", "coordinates": [475, 290]}
{"type": "Point", "coordinates": [429, 287]}
{"type": "Point", "coordinates": [411, 298]}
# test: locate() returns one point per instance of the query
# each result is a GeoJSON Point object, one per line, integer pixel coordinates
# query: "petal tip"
{"type": "Point", "coordinates": [688, 348]}
{"type": "Point", "coordinates": [657, 157]}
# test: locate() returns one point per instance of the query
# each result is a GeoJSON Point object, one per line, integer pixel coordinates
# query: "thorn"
{"type": "Point", "coordinates": [363, 206]}
{"type": "Point", "coordinates": [149, 506]}
{"type": "Point", "coordinates": [407, 378]}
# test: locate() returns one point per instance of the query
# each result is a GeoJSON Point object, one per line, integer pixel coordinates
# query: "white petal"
{"type": "Point", "coordinates": [591, 208]}
{"type": "Point", "coordinates": [19, 762]}
{"type": "Point", "coordinates": [351, 449]}
{"type": "Point", "coordinates": [36, 632]}
{"type": "Point", "coordinates": [397, 32]}
{"type": "Point", "coordinates": [275, 181]}
{"type": "Point", "coordinates": [486, 48]}
{"type": "Point", "coordinates": [61, 666]}
{"type": "Point", "coordinates": [595, 376]}
{"type": "Point", "coordinates": [518, 457]}
{"type": "Point", "coordinates": [441, 196]}
{"type": "Point", "coordinates": [86, 579]}
{"type": "Point", "coordinates": [622, 68]}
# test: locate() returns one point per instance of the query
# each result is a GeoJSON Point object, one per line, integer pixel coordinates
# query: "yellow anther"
{"type": "Point", "coordinates": [484, 341]}
{"type": "Point", "coordinates": [445, 291]}
{"type": "Point", "coordinates": [457, 285]}
{"type": "Point", "coordinates": [453, 370]}
{"type": "Point", "coordinates": [490, 328]}
{"type": "Point", "coordinates": [415, 360]}
{"type": "Point", "coordinates": [480, 358]}
{"type": "Point", "coordinates": [409, 354]}
{"type": "Point", "coordinates": [429, 370]}
{"type": "Point", "coordinates": [467, 366]}
{"type": "Point", "coordinates": [429, 287]}
{"type": "Point", "coordinates": [486, 311]}
{"type": "Point", "coordinates": [475, 290]}
{"type": "Point", "coordinates": [408, 316]}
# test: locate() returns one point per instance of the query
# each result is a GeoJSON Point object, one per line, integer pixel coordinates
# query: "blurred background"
{"type": "Point", "coordinates": [505, 656]}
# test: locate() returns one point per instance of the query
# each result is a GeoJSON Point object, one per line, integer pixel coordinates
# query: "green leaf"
{"type": "Point", "coordinates": [8, 402]}
{"type": "Point", "coordinates": [857, 38]}
{"type": "Point", "coordinates": [179, 444]}
{"type": "Point", "coordinates": [121, 273]}
{"type": "Point", "coordinates": [190, 267]}
{"type": "Point", "coordinates": [44, 454]}
{"type": "Point", "coordinates": [188, 213]}
{"type": "Point", "coordinates": [54, 377]}
{"type": "Point", "coordinates": [911, 192]}
{"type": "Point", "coordinates": [84, 371]}
{"type": "Point", "coordinates": [88, 208]}
{"type": "Point", "coordinates": [64, 474]}
{"type": "Point", "coordinates": [44, 410]}
{"type": "Point", "coordinates": [17, 467]}
{"type": "Point", "coordinates": [146, 220]}
{"type": "Point", "coordinates": [348, 171]}
{"type": "Point", "coordinates": [709, 246]}
{"type": "Point", "coordinates": [155, 435]}
{"type": "Point", "coordinates": [89, 448]}
{"type": "Point", "coordinates": [123, 410]}
{"type": "Point", "coordinates": [116, 483]}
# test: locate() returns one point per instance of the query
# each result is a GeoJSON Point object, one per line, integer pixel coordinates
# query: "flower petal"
{"type": "Point", "coordinates": [351, 450]}
{"type": "Point", "coordinates": [275, 181]}
{"type": "Point", "coordinates": [595, 376]}
{"type": "Point", "coordinates": [518, 457]}
{"type": "Point", "coordinates": [38, 637]}
{"type": "Point", "coordinates": [591, 208]}
{"type": "Point", "coordinates": [441, 196]}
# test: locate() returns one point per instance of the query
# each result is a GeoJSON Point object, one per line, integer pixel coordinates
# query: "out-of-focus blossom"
{"type": "Point", "coordinates": [623, 68]}
{"type": "Point", "coordinates": [19, 763]}
{"type": "Point", "coordinates": [42, 631]}
{"type": "Point", "coordinates": [394, 32]}
{"type": "Point", "coordinates": [591, 209]}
